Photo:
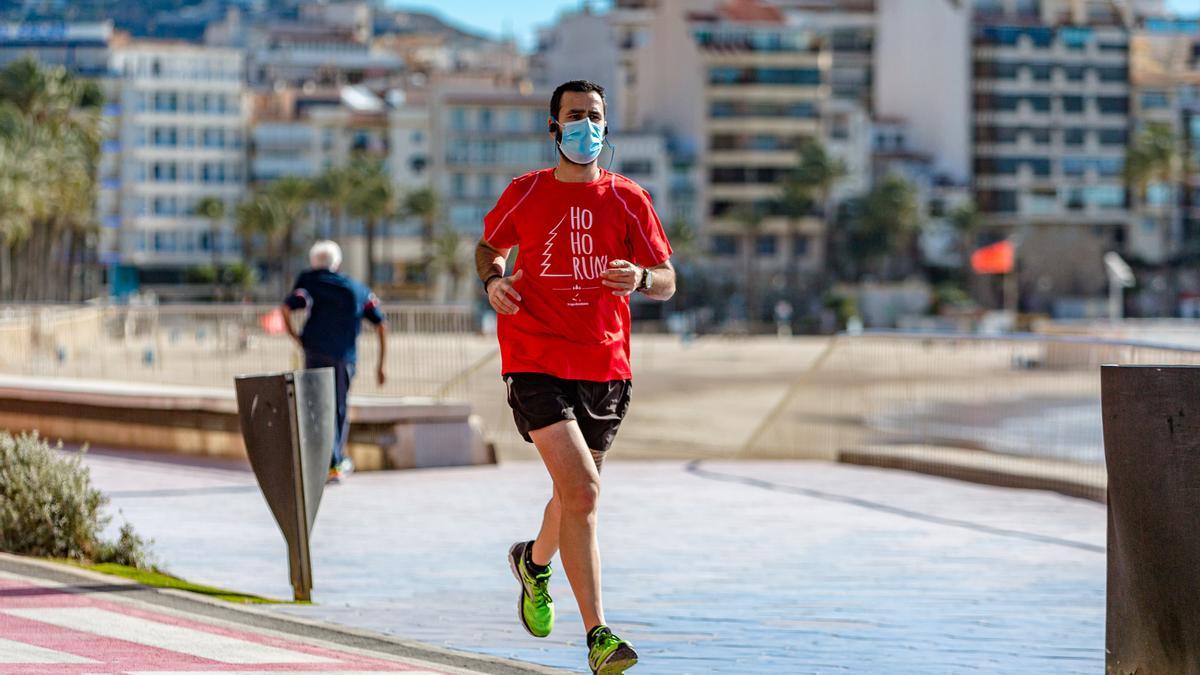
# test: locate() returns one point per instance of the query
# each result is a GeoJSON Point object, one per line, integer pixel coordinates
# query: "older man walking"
{"type": "Point", "coordinates": [336, 307]}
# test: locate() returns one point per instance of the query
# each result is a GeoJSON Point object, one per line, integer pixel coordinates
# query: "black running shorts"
{"type": "Point", "coordinates": [540, 400]}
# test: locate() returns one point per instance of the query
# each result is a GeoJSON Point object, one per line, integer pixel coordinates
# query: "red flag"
{"type": "Point", "coordinates": [994, 259]}
{"type": "Point", "coordinates": [272, 322]}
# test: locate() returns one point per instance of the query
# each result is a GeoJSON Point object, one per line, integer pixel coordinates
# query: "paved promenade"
{"type": "Point", "coordinates": [721, 567]}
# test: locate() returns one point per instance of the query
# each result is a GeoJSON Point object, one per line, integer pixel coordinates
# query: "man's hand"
{"type": "Point", "coordinates": [623, 277]}
{"type": "Point", "coordinates": [502, 296]}
{"type": "Point", "coordinates": [380, 376]}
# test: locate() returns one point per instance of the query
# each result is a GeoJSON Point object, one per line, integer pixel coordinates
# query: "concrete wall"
{"type": "Point", "coordinates": [923, 54]}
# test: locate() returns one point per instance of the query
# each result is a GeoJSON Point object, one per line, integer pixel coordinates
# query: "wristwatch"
{"type": "Point", "coordinates": [647, 280]}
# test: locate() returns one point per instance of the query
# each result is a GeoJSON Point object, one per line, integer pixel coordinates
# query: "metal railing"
{"type": "Point", "coordinates": [208, 345]}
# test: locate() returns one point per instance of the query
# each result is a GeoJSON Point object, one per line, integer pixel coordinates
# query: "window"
{"type": "Point", "coordinates": [165, 136]}
{"type": "Point", "coordinates": [458, 185]}
{"type": "Point", "coordinates": [1110, 166]}
{"type": "Point", "coordinates": [770, 76]}
{"type": "Point", "coordinates": [487, 186]}
{"type": "Point", "coordinates": [1112, 73]}
{"type": "Point", "coordinates": [213, 138]}
{"type": "Point", "coordinates": [766, 245]}
{"type": "Point", "coordinates": [1072, 104]}
{"type": "Point", "coordinates": [724, 245]}
{"type": "Point", "coordinates": [1105, 196]}
{"type": "Point", "coordinates": [637, 167]}
{"type": "Point", "coordinates": [1074, 136]}
{"type": "Point", "coordinates": [1074, 166]}
{"type": "Point", "coordinates": [458, 119]}
{"type": "Point", "coordinates": [800, 245]}
{"type": "Point", "coordinates": [485, 119]}
{"type": "Point", "coordinates": [1041, 72]}
{"type": "Point", "coordinates": [1113, 136]}
{"type": "Point", "coordinates": [1112, 105]}
{"type": "Point", "coordinates": [1040, 136]}
{"type": "Point", "coordinates": [212, 172]}
{"type": "Point", "coordinates": [997, 70]}
{"type": "Point", "coordinates": [1075, 38]}
{"type": "Point", "coordinates": [1075, 73]}
{"type": "Point", "coordinates": [166, 102]}
{"type": "Point", "coordinates": [1155, 100]}
{"type": "Point", "coordinates": [164, 172]}
{"type": "Point", "coordinates": [998, 201]}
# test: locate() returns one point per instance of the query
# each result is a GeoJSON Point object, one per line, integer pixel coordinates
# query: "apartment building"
{"type": "Point", "coordinates": [82, 48]}
{"type": "Point", "coordinates": [1051, 103]}
{"type": "Point", "coordinates": [175, 134]}
{"type": "Point", "coordinates": [766, 85]}
{"type": "Point", "coordinates": [1165, 77]}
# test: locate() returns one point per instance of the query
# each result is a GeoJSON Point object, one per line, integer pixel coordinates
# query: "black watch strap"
{"type": "Point", "coordinates": [489, 280]}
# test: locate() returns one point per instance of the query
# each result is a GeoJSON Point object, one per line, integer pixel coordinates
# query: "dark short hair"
{"type": "Point", "coordinates": [582, 86]}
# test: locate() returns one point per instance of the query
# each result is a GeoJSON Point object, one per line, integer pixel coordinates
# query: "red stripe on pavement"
{"type": "Point", "coordinates": [128, 655]}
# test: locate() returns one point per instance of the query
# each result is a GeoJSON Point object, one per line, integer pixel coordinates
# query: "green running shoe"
{"type": "Point", "coordinates": [609, 654]}
{"type": "Point", "coordinates": [535, 607]}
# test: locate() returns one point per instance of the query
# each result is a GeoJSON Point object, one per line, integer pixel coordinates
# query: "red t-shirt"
{"type": "Point", "coordinates": [570, 325]}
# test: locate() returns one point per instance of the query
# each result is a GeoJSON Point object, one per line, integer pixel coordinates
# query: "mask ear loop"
{"type": "Point", "coordinates": [613, 153]}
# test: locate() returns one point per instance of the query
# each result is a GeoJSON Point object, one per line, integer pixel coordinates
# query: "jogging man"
{"type": "Point", "coordinates": [588, 239]}
{"type": "Point", "coordinates": [336, 307]}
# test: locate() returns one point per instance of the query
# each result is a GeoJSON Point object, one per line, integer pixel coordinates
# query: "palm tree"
{"type": "Point", "coordinates": [750, 217]}
{"type": "Point", "coordinates": [811, 184]}
{"type": "Point", "coordinates": [448, 257]}
{"type": "Point", "coordinates": [890, 221]}
{"type": "Point", "coordinates": [51, 121]}
{"type": "Point", "coordinates": [259, 216]}
{"type": "Point", "coordinates": [1153, 158]}
{"type": "Point", "coordinates": [334, 188]}
{"type": "Point", "coordinates": [426, 205]}
{"type": "Point", "coordinates": [213, 208]}
{"type": "Point", "coordinates": [373, 200]}
{"type": "Point", "coordinates": [965, 220]}
{"type": "Point", "coordinates": [292, 196]}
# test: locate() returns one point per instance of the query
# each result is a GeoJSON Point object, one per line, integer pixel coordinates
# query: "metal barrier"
{"type": "Point", "coordinates": [1013, 410]}
{"type": "Point", "coordinates": [208, 345]}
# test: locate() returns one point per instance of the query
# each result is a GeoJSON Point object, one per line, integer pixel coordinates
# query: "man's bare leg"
{"type": "Point", "coordinates": [577, 491]}
{"type": "Point", "coordinates": [546, 544]}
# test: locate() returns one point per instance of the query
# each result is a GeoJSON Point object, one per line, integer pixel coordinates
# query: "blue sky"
{"type": "Point", "coordinates": [496, 17]}
{"type": "Point", "coordinates": [1188, 7]}
{"type": "Point", "coordinates": [521, 19]}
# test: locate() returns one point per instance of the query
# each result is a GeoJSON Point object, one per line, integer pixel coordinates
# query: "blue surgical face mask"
{"type": "Point", "coordinates": [582, 140]}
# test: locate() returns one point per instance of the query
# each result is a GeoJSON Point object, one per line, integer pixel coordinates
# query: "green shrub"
{"type": "Point", "coordinates": [49, 508]}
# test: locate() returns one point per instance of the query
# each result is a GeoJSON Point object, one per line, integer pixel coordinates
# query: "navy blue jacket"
{"type": "Point", "coordinates": [336, 307]}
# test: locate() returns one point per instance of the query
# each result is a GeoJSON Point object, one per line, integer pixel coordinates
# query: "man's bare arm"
{"type": "Point", "coordinates": [380, 374]}
{"type": "Point", "coordinates": [662, 279]}
{"type": "Point", "coordinates": [286, 312]}
{"type": "Point", "coordinates": [625, 277]}
{"type": "Point", "coordinates": [489, 261]}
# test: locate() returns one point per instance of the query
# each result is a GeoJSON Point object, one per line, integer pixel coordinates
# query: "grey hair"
{"type": "Point", "coordinates": [325, 255]}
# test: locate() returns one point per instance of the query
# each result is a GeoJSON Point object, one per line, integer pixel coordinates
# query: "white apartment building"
{"type": "Point", "coordinates": [1051, 100]}
{"type": "Point", "coordinates": [176, 134]}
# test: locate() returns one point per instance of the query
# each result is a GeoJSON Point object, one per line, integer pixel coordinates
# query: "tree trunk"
{"type": "Point", "coordinates": [751, 285]}
{"type": "Point", "coordinates": [214, 233]}
{"type": "Point", "coordinates": [285, 265]}
{"type": "Point", "coordinates": [370, 232]}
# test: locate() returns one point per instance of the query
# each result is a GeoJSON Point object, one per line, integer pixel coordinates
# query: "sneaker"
{"type": "Point", "coordinates": [335, 476]}
{"type": "Point", "coordinates": [345, 467]}
{"type": "Point", "coordinates": [535, 607]}
{"type": "Point", "coordinates": [609, 654]}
